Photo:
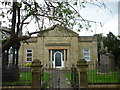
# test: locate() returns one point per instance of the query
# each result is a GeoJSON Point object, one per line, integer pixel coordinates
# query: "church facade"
{"type": "Point", "coordinates": [58, 47]}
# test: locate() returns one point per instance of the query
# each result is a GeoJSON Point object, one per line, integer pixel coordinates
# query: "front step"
{"type": "Point", "coordinates": [64, 69]}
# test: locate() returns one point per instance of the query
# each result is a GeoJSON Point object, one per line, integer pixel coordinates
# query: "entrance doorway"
{"type": "Point", "coordinates": [58, 59]}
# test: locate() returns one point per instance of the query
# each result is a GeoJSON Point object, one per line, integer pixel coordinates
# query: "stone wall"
{"type": "Point", "coordinates": [22, 51]}
{"type": "Point", "coordinates": [59, 38]}
{"type": "Point", "coordinates": [46, 43]}
{"type": "Point", "coordinates": [43, 44]}
{"type": "Point", "coordinates": [91, 46]}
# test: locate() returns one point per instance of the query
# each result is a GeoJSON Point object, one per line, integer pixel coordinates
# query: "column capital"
{"type": "Point", "coordinates": [82, 65]}
{"type": "Point", "coordinates": [36, 65]}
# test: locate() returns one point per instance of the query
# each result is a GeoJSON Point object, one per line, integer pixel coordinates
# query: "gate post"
{"type": "Point", "coordinates": [82, 73]}
{"type": "Point", "coordinates": [36, 71]}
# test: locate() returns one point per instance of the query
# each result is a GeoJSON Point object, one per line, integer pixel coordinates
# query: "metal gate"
{"type": "Point", "coordinates": [74, 77]}
{"type": "Point", "coordinates": [51, 77]}
{"type": "Point", "coordinates": [54, 78]}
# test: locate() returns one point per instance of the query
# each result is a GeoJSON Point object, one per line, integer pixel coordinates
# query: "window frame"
{"type": "Point", "coordinates": [88, 52]}
{"type": "Point", "coordinates": [29, 56]}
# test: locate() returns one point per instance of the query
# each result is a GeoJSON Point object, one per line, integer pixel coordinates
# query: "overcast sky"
{"type": "Point", "coordinates": [109, 20]}
{"type": "Point", "coordinates": [108, 17]}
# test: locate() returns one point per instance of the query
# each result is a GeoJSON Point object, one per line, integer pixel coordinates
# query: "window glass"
{"type": "Point", "coordinates": [29, 55]}
{"type": "Point", "coordinates": [86, 54]}
{"type": "Point", "coordinates": [29, 50]}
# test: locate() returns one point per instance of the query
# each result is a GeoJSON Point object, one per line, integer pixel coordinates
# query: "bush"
{"type": "Point", "coordinates": [118, 67]}
{"type": "Point", "coordinates": [28, 64]}
{"type": "Point", "coordinates": [10, 74]}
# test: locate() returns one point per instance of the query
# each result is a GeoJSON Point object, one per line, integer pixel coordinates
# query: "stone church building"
{"type": "Point", "coordinates": [58, 47]}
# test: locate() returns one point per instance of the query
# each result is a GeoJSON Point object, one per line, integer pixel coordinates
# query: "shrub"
{"type": "Point", "coordinates": [28, 64]}
{"type": "Point", "coordinates": [10, 74]}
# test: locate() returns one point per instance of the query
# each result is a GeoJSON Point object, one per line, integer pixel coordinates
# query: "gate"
{"type": "Point", "coordinates": [50, 77]}
{"type": "Point", "coordinates": [74, 77]}
{"type": "Point", "coordinates": [54, 78]}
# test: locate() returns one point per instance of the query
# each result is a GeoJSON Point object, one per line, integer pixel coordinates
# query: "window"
{"type": "Point", "coordinates": [29, 55]}
{"type": "Point", "coordinates": [86, 54]}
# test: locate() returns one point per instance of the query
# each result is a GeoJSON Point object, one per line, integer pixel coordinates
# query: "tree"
{"type": "Point", "coordinates": [60, 12]}
{"type": "Point", "coordinates": [63, 13]}
{"type": "Point", "coordinates": [99, 38]}
{"type": "Point", "coordinates": [113, 44]}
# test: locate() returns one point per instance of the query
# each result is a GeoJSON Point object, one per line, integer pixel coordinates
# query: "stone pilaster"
{"type": "Point", "coordinates": [36, 72]}
{"type": "Point", "coordinates": [82, 73]}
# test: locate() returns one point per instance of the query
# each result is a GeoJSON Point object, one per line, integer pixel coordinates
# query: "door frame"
{"type": "Point", "coordinates": [62, 62]}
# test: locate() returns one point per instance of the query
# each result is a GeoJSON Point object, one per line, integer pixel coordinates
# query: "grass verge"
{"type": "Point", "coordinates": [95, 77]}
{"type": "Point", "coordinates": [26, 79]}
{"type": "Point", "coordinates": [46, 79]}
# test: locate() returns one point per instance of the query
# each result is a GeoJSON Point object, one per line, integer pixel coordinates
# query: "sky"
{"type": "Point", "coordinates": [108, 18]}
{"type": "Point", "coordinates": [119, 18]}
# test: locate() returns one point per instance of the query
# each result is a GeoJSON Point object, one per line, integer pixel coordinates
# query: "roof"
{"type": "Point", "coordinates": [86, 38]}
{"type": "Point", "coordinates": [57, 30]}
{"type": "Point", "coordinates": [32, 40]}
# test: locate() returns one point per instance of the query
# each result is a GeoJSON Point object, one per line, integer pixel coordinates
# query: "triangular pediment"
{"type": "Point", "coordinates": [58, 31]}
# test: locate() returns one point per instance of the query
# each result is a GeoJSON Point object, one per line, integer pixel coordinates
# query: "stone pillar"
{"type": "Point", "coordinates": [36, 72]}
{"type": "Point", "coordinates": [82, 73]}
{"type": "Point", "coordinates": [107, 62]}
{"type": "Point", "coordinates": [103, 62]}
{"type": "Point", "coordinates": [51, 61]}
{"type": "Point", "coordinates": [64, 58]}
{"type": "Point", "coordinates": [112, 62]}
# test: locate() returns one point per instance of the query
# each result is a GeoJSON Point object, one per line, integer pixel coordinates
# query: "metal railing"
{"type": "Point", "coordinates": [20, 75]}
{"type": "Point", "coordinates": [50, 77]}
{"type": "Point", "coordinates": [74, 77]}
{"type": "Point", "coordinates": [102, 74]}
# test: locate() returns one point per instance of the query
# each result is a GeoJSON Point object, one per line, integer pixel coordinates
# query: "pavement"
{"type": "Point", "coordinates": [58, 79]}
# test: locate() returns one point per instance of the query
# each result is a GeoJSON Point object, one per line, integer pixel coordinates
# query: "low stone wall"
{"type": "Point", "coordinates": [105, 86]}
{"type": "Point", "coordinates": [90, 87]}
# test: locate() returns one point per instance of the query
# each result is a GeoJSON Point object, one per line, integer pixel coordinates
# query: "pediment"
{"type": "Point", "coordinates": [58, 31]}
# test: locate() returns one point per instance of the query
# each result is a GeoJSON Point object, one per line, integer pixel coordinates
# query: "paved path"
{"type": "Point", "coordinates": [58, 79]}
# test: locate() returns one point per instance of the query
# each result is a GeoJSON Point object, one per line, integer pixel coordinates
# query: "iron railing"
{"type": "Point", "coordinates": [74, 77]}
{"type": "Point", "coordinates": [102, 74]}
{"type": "Point", "coordinates": [20, 75]}
{"type": "Point", "coordinates": [50, 77]}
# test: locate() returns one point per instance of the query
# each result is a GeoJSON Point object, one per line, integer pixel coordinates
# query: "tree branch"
{"type": "Point", "coordinates": [5, 30]}
{"type": "Point", "coordinates": [18, 24]}
{"type": "Point", "coordinates": [13, 19]}
{"type": "Point", "coordinates": [23, 38]}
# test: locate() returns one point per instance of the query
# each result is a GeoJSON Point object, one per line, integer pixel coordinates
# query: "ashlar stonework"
{"type": "Point", "coordinates": [58, 47]}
